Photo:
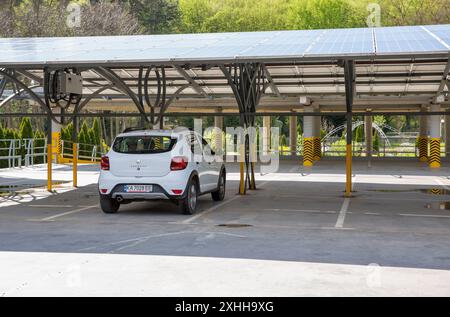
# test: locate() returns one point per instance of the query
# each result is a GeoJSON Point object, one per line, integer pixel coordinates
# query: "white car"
{"type": "Point", "coordinates": [176, 165]}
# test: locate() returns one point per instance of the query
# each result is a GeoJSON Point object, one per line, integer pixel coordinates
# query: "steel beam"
{"type": "Point", "coordinates": [444, 81]}
{"type": "Point", "coordinates": [272, 84]}
{"type": "Point", "coordinates": [196, 86]}
{"type": "Point", "coordinates": [115, 80]}
{"type": "Point", "coordinates": [15, 94]}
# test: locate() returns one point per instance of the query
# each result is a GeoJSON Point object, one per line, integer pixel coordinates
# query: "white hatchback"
{"type": "Point", "coordinates": [176, 165]}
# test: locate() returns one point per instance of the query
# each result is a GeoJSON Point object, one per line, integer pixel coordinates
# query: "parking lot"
{"type": "Point", "coordinates": [397, 221]}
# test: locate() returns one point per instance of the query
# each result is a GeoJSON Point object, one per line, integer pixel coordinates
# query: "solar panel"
{"type": "Point", "coordinates": [333, 44]}
{"type": "Point", "coordinates": [441, 31]}
{"type": "Point", "coordinates": [411, 39]}
{"type": "Point", "coordinates": [344, 42]}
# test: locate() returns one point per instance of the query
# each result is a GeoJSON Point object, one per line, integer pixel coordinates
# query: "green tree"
{"type": "Point", "coordinates": [155, 16]}
{"type": "Point", "coordinates": [96, 131]}
{"type": "Point", "coordinates": [26, 129]}
{"type": "Point", "coordinates": [322, 14]}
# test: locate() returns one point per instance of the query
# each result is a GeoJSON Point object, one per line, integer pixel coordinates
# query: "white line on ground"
{"type": "Point", "coordinates": [341, 219]}
{"type": "Point", "coordinates": [441, 183]}
{"type": "Point", "coordinates": [372, 213]}
{"type": "Point", "coordinates": [305, 211]}
{"type": "Point", "coordinates": [67, 213]}
{"type": "Point", "coordinates": [208, 211]}
{"type": "Point", "coordinates": [54, 206]}
{"type": "Point", "coordinates": [424, 216]}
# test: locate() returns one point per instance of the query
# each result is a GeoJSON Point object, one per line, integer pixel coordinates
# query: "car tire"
{"type": "Point", "coordinates": [188, 204]}
{"type": "Point", "coordinates": [109, 205]}
{"type": "Point", "coordinates": [219, 194]}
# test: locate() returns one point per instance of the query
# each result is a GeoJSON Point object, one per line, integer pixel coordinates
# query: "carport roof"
{"type": "Point", "coordinates": [226, 47]}
{"type": "Point", "coordinates": [397, 68]}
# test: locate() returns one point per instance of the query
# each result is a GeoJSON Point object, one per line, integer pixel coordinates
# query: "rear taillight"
{"type": "Point", "coordinates": [179, 163]}
{"type": "Point", "coordinates": [105, 163]}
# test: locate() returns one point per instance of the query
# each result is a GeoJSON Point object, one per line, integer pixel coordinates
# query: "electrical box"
{"type": "Point", "coordinates": [70, 84]}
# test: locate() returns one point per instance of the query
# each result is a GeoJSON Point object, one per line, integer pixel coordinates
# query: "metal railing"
{"type": "Point", "coordinates": [35, 148]}
{"type": "Point", "coordinates": [10, 151]}
{"type": "Point", "coordinates": [394, 146]}
{"type": "Point", "coordinates": [86, 152]}
{"type": "Point", "coordinates": [28, 152]}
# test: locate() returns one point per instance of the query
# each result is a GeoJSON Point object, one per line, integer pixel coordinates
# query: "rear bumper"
{"type": "Point", "coordinates": [158, 194]}
{"type": "Point", "coordinates": [113, 186]}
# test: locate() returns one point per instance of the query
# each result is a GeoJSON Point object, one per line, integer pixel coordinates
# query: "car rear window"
{"type": "Point", "coordinates": [143, 144]}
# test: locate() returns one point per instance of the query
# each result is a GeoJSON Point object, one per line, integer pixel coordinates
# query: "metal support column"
{"type": "Point", "coordinates": [422, 142]}
{"type": "Point", "coordinates": [308, 138]}
{"type": "Point", "coordinates": [293, 135]}
{"type": "Point", "coordinates": [368, 120]}
{"type": "Point", "coordinates": [247, 83]}
{"type": "Point", "coordinates": [56, 135]}
{"type": "Point", "coordinates": [435, 138]}
{"type": "Point", "coordinates": [49, 155]}
{"type": "Point", "coordinates": [447, 136]}
{"type": "Point", "coordinates": [267, 125]}
{"type": "Point", "coordinates": [350, 90]}
{"type": "Point", "coordinates": [75, 151]}
{"type": "Point", "coordinates": [218, 134]}
{"type": "Point", "coordinates": [317, 139]}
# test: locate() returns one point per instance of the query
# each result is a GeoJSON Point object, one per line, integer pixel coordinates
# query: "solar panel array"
{"type": "Point", "coordinates": [228, 46]}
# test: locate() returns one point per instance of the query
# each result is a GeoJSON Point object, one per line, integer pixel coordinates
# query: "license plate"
{"type": "Point", "coordinates": [138, 188]}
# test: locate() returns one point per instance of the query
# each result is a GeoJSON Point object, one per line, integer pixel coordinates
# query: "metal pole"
{"type": "Point", "coordinates": [350, 79]}
{"type": "Point", "coordinates": [75, 152]}
{"type": "Point", "coordinates": [349, 154]}
{"type": "Point", "coordinates": [49, 155]}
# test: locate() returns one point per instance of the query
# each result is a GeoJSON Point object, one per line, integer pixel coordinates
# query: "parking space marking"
{"type": "Point", "coordinates": [54, 206]}
{"type": "Point", "coordinates": [304, 211]}
{"type": "Point", "coordinates": [66, 213]}
{"type": "Point", "coordinates": [424, 216]}
{"type": "Point", "coordinates": [341, 219]}
{"type": "Point", "coordinates": [442, 184]}
{"type": "Point", "coordinates": [210, 210]}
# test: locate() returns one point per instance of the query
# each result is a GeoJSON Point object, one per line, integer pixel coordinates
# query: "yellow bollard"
{"type": "Point", "coordinates": [49, 168]}
{"type": "Point", "coordinates": [435, 153]}
{"type": "Point", "coordinates": [349, 187]}
{"type": "Point", "coordinates": [423, 149]}
{"type": "Point", "coordinates": [242, 179]}
{"type": "Point", "coordinates": [308, 152]}
{"type": "Point", "coordinates": [242, 171]}
{"type": "Point", "coordinates": [317, 149]}
{"type": "Point", "coordinates": [253, 181]}
{"type": "Point", "coordinates": [75, 165]}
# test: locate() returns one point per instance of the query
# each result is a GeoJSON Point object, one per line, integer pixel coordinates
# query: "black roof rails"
{"type": "Point", "coordinates": [134, 129]}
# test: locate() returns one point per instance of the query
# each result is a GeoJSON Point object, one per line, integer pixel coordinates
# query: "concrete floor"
{"type": "Point", "coordinates": [296, 235]}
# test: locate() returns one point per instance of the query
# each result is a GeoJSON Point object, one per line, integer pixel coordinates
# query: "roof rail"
{"type": "Point", "coordinates": [134, 129]}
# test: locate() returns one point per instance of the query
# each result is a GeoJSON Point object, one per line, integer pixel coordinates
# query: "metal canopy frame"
{"type": "Point", "coordinates": [153, 86]}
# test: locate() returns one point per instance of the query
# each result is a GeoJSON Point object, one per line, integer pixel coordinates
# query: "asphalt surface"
{"type": "Point", "coordinates": [293, 216]}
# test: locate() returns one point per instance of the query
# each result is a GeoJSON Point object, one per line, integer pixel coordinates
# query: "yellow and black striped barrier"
{"type": "Point", "coordinates": [317, 149]}
{"type": "Point", "coordinates": [435, 153]}
{"type": "Point", "coordinates": [423, 149]}
{"type": "Point", "coordinates": [308, 152]}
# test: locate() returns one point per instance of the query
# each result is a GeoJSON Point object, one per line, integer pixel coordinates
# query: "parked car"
{"type": "Point", "coordinates": [175, 165]}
